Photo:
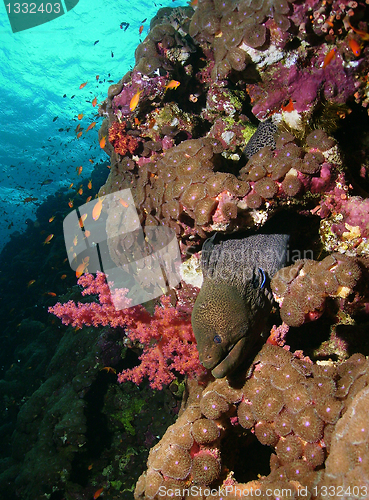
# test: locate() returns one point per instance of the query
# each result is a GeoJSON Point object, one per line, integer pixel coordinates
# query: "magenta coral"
{"type": "Point", "coordinates": [167, 338]}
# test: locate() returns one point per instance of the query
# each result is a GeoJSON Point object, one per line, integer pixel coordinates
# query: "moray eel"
{"type": "Point", "coordinates": [235, 299]}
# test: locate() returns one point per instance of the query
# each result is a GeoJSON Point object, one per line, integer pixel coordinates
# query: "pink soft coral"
{"type": "Point", "coordinates": [167, 338]}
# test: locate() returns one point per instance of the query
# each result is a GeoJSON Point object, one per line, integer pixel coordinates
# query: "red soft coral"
{"type": "Point", "coordinates": [168, 344]}
{"type": "Point", "coordinates": [120, 140]}
{"type": "Point", "coordinates": [167, 337]}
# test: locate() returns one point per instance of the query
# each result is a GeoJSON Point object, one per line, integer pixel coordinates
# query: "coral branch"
{"type": "Point", "coordinates": [166, 337]}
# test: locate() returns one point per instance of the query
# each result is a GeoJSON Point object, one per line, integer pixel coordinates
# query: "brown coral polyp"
{"type": "Point", "coordinates": [289, 449]}
{"type": "Point", "coordinates": [308, 425]}
{"type": "Point", "coordinates": [267, 404]}
{"type": "Point", "coordinates": [177, 463]}
{"type": "Point", "coordinates": [205, 468]}
{"type": "Point", "coordinates": [204, 210]}
{"type": "Point", "coordinates": [213, 405]}
{"type": "Point", "coordinates": [192, 195]}
{"type": "Point", "coordinates": [205, 431]}
{"type": "Point", "coordinates": [266, 188]}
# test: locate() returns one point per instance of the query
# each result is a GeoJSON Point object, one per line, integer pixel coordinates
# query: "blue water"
{"type": "Point", "coordinates": [38, 67]}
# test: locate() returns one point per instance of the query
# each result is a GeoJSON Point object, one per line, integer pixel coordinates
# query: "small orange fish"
{"type": "Point", "coordinates": [140, 29]}
{"type": "Point", "coordinates": [94, 101]}
{"type": "Point", "coordinates": [96, 211]}
{"type": "Point", "coordinates": [122, 202]}
{"type": "Point", "coordinates": [83, 85]}
{"type": "Point", "coordinates": [90, 466]}
{"type": "Point", "coordinates": [79, 170]}
{"type": "Point", "coordinates": [134, 101]}
{"type": "Point", "coordinates": [109, 369]}
{"type": "Point", "coordinates": [79, 134]}
{"type": "Point", "coordinates": [91, 126]}
{"type": "Point", "coordinates": [70, 203]}
{"type": "Point", "coordinates": [288, 107]}
{"type": "Point", "coordinates": [89, 198]}
{"type": "Point", "coordinates": [329, 57]}
{"type": "Point", "coordinates": [137, 121]}
{"type": "Point", "coordinates": [80, 191]}
{"type": "Point", "coordinates": [364, 35]}
{"type": "Point", "coordinates": [98, 493]}
{"type": "Point", "coordinates": [48, 239]}
{"type": "Point", "coordinates": [52, 218]}
{"type": "Point", "coordinates": [91, 161]}
{"type": "Point", "coordinates": [63, 276]}
{"type": "Point", "coordinates": [173, 84]}
{"type": "Point", "coordinates": [78, 127]}
{"type": "Point", "coordinates": [52, 294]}
{"type": "Point", "coordinates": [75, 239]}
{"type": "Point", "coordinates": [30, 283]}
{"type": "Point", "coordinates": [97, 77]}
{"type": "Point", "coordinates": [89, 185]}
{"type": "Point", "coordinates": [82, 267]}
{"type": "Point", "coordinates": [71, 185]}
{"type": "Point", "coordinates": [103, 142]}
{"type": "Point", "coordinates": [354, 46]}
{"type": "Point", "coordinates": [87, 233]}
{"type": "Point", "coordinates": [80, 116]}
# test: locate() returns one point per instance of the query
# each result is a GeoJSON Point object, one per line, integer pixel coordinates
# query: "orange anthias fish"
{"type": "Point", "coordinates": [48, 239]}
{"type": "Point", "coordinates": [70, 203]}
{"type": "Point", "coordinates": [124, 203]}
{"type": "Point", "coordinates": [364, 35]}
{"type": "Point", "coordinates": [91, 126]}
{"type": "Point", "coordinates": [80, 116]}
{"type": "Point", "coordinates": [98, 493]}
{"type": "Point", "coordinates": [96, 211]}
{"type": "Point", "coordinates": [173, 84]}
{"type": "Point", "coordinates": [140, 29]}
{"type": "Point", "coordinates": [52, 294]}
{"type": "Point", "coordinates": [109, 369]}
{"type": "Point", "coordinates": [134, 101]}
{"type": "Point", "coordinates": [30, 283]}
{"type": "Point", "coordinates": [83, 85]}
{"type": "Point", "coordinates": [79, 134]}
{"type": "Point", "coordinates": [89, 185]}
{"type": "Point", "coordinates": [79, 170]}
{"type": "Point", "coordinates": [29, 199]}
{"type": "Point", "coordinates": [80, 191]}
{"type": "Point", "coordinates": [89, 198]}
{"type": "Point", "coordinates": [288, 107]}
{"type": "Point", "coordinates": [103, 142]}
{"type": "Point", "coordinates": [63, 276]}
{"type": "Point", "coordinates": [78, 127]}
{"type": "Point", "coordinates": [329, 57]}
{"type": "Point", "coordinates": [354, 46]}
{"type": "Point", "coordinates": [52, 218]}
{"type": "Point", "coordinates": [94, 101]}
{"type": "Point", "coordinates": [82, 267]}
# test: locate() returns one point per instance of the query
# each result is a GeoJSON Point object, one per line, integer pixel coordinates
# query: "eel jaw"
{"type": "Point", "coordinates": [231, 361]}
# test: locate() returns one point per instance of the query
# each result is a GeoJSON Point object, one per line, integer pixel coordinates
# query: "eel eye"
{"type": "Point", "coordinates": [217, 339]}
{"type": "Point", "coordinates": [259, 281]}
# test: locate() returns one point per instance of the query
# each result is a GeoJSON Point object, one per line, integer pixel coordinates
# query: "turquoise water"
{"type": "Point", "coordinates": [38, 67]}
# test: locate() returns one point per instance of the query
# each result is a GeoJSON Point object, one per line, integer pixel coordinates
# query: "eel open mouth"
{"type": "Point", "coordinates": [231, 361]}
